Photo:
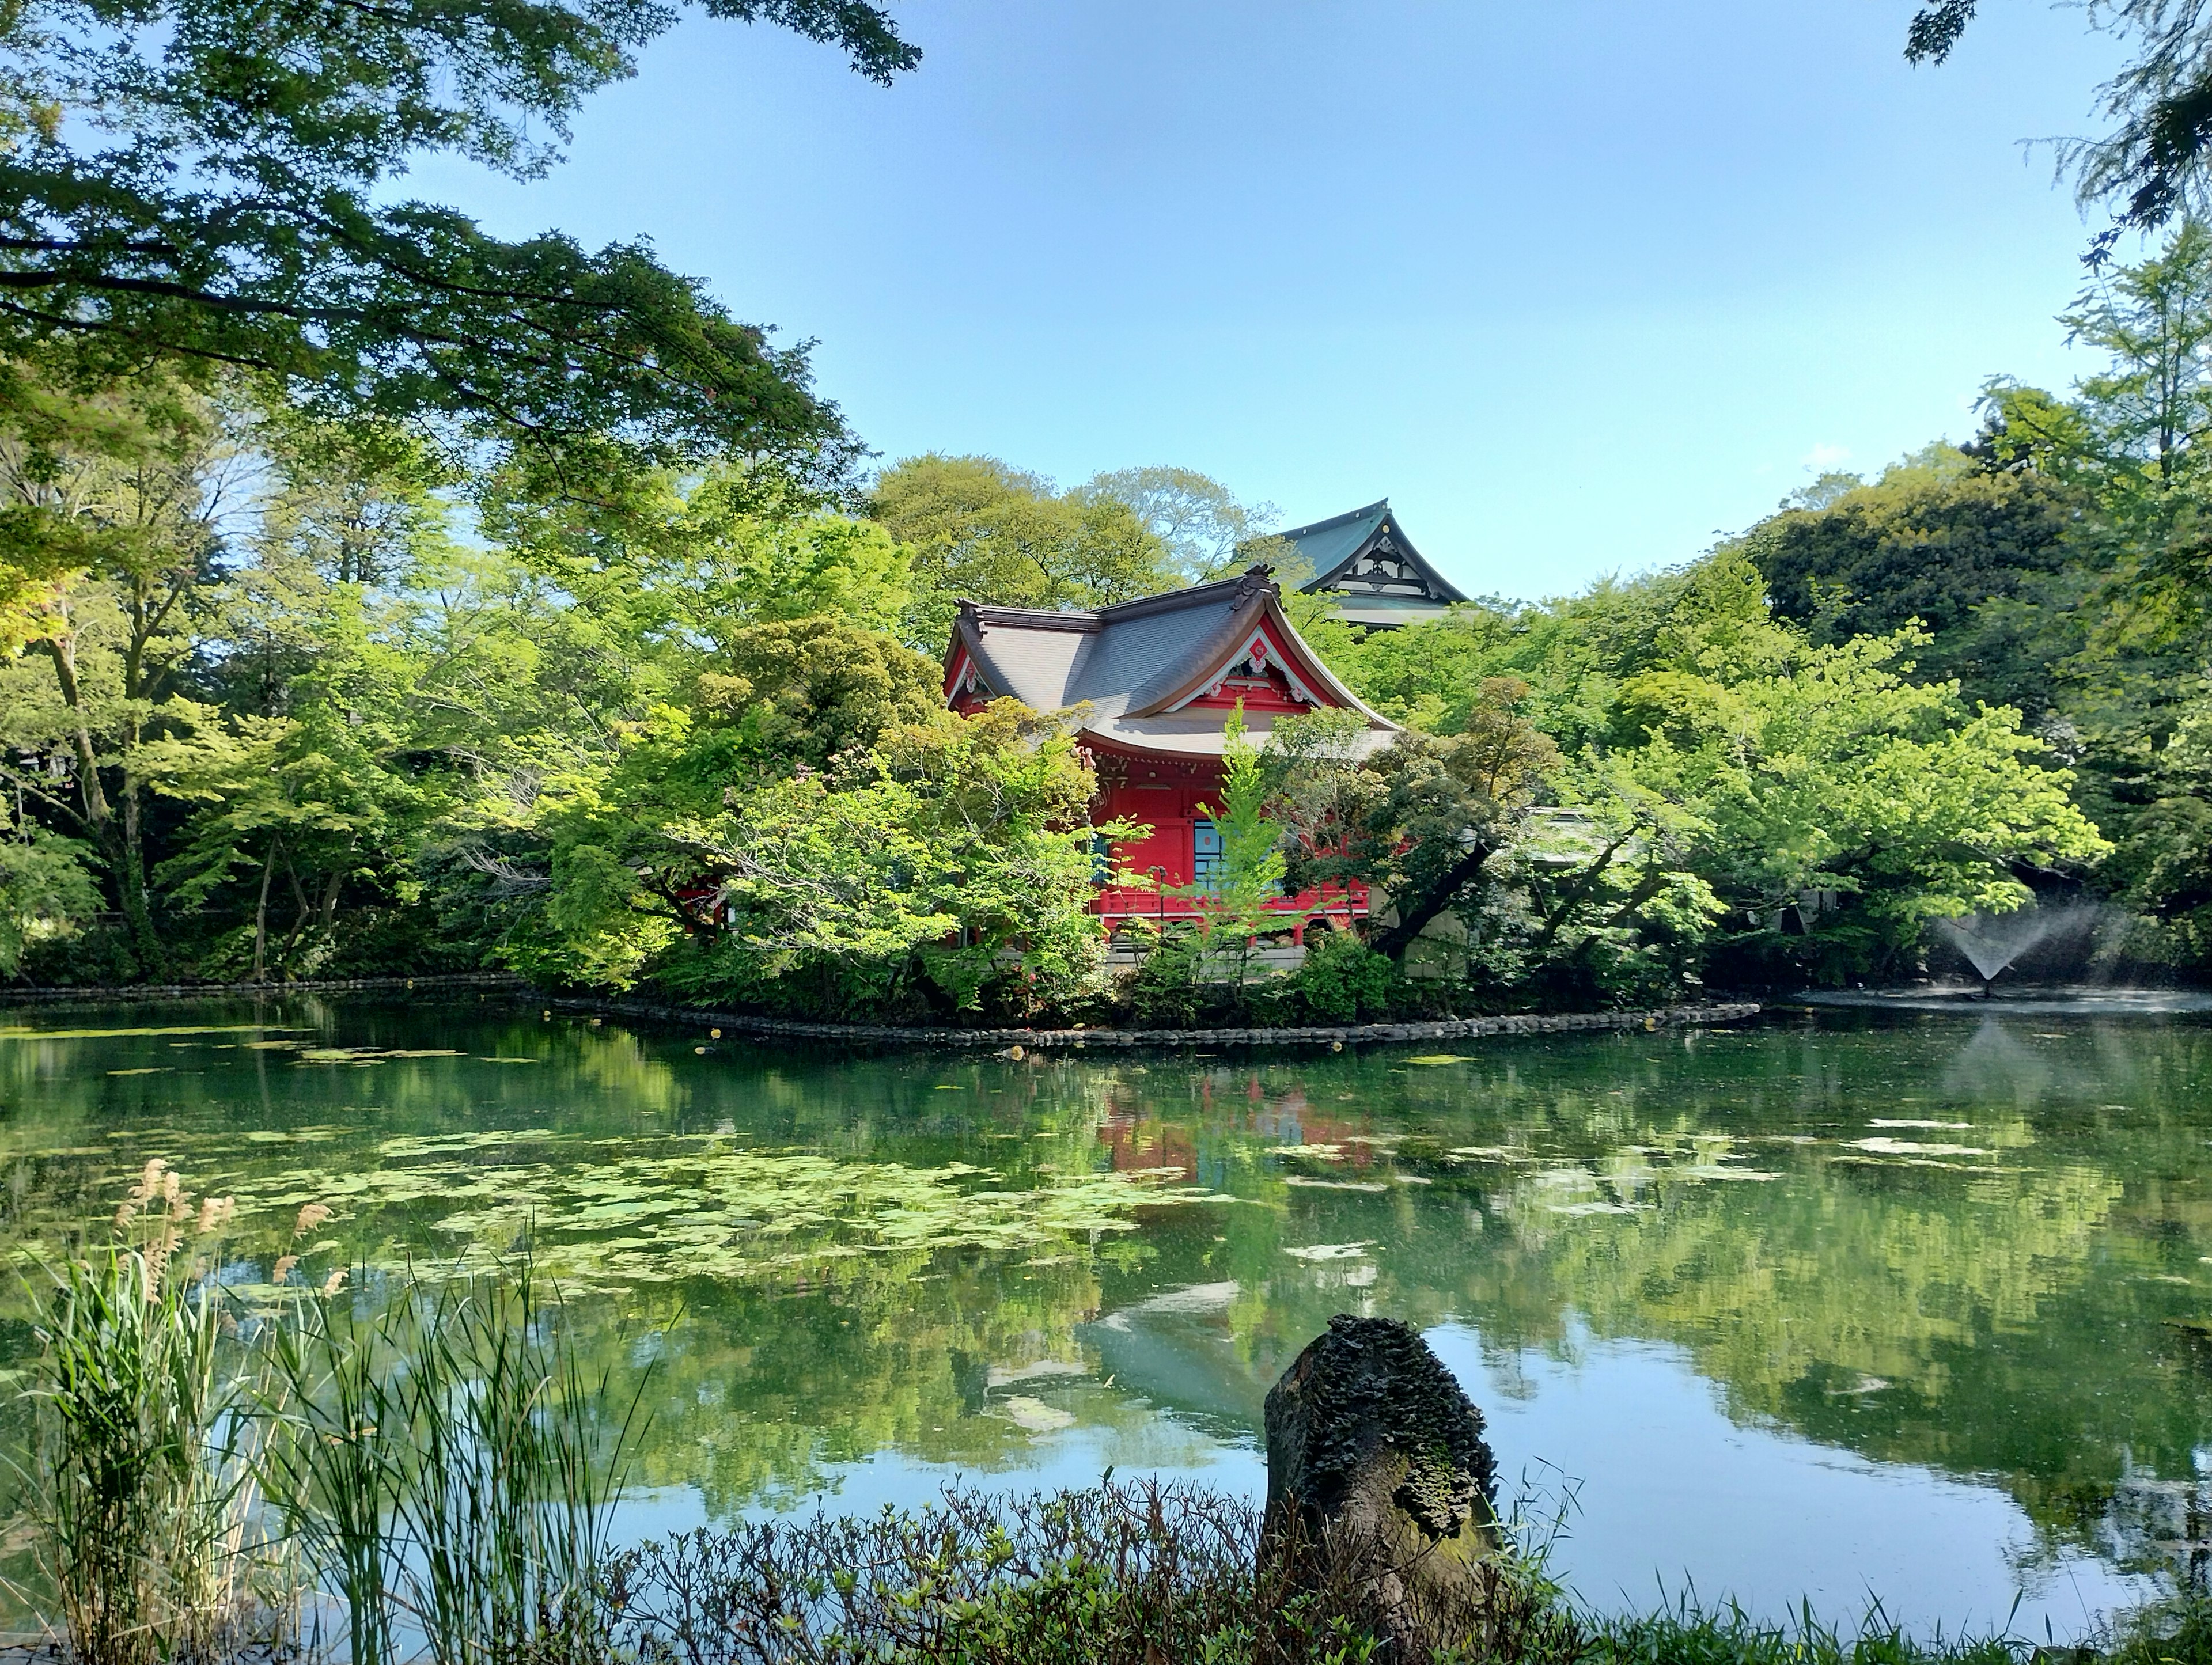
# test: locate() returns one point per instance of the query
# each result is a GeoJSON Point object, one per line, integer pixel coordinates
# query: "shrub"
{"type": "Point", "coordinates": [1113, 1574]}
{"type": "Point", "coordinates": [1343, 981]}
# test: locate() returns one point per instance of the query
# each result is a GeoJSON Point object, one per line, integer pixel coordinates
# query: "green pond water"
{"type": "Point", "coordinates": [1912, 1304]}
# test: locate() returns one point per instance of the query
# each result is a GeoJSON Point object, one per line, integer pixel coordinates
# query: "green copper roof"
{"type": "Point", "coordinates": [1336, 548]}
{"type": "Point", "coordinates": [1327, 545]}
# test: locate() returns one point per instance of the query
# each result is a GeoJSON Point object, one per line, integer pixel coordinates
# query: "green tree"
{"type": "Point", "coordinates": [47, 890]}
{"type": "Point", "coordinates": [1935, 539]}
{"type": "Point", "coordinates": [110, 639]}
{"type": "Point", "coordinates": [949, 859]}
{"type": "Point", "coordinates": [804, 691]}
{"type": "Point", "coordinates": [221, 194]}
{"type": "Point", "coordinates": [1206, 532]}
{"type": "Point", "coordinates": [1418, 820]}
{"type": "Point", "coordinates": [982, 531]}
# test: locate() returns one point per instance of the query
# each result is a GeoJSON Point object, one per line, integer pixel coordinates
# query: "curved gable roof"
{"type": "Point", "coordinates": [1135, 665]}
{"type": "Point", "coordinates": [1338, 547]}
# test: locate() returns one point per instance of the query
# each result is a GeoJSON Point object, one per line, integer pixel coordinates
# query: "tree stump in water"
{"type": "Point", "coordinates": [1380, 1483]}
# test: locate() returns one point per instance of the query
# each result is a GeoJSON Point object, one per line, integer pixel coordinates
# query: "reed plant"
{"type": "Point", "coordinates": [449, 1467]}
{"type": "Point", "coordinates": [140, 1485]}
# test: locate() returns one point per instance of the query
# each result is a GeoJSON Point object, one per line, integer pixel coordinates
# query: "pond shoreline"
{"type": "Point", "coordinates": [1033, 1040]}
{"type": "Point", "coordinates": [502, 981]}
{"type": "Point", "coordinates": [1046, 1040]}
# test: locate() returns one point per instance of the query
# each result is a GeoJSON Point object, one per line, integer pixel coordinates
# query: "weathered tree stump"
{"type": "Point", "coordinates": [1380, 1483]}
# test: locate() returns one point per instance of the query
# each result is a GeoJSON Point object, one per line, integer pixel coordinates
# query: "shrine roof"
{"type": "Point", "coordinates": [1336, 547]}
{"type": "Point", "coordinates": [1139, 664]}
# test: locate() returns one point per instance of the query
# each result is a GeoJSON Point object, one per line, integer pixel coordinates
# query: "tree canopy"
{"type": "Point", "coordinates": [211, 184]}
{"type": "Point", "coordinates": [2151, 165]}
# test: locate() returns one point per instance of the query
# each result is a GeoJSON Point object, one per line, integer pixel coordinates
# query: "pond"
{"type": "Point", "coordinates": [1915, 1305]}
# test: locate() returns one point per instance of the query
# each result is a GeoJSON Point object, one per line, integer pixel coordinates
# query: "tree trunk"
{"type": "Point", "coordinates": [261, 916]}
{"type": "Point", "coordinates": [97, 814]}
{"type": "Point", "coordinates": [137, 905]}
{"type": "Point", "coordinates": [328, 908]}
{"type": "Point", "coordinates": [1414, 919]}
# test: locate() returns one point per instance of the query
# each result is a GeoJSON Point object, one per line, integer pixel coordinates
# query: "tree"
{"type": "Point", "coordinates": [1419, 819]}
{"type": "Point", "coordinates": [1206, 532]}
{"type": "Point", "coordinates": [679, 561]}
{"type": "Point", "coordinates": [802, 692]}
{"type": "Point", "coordinates": [296, 806]}
{"type": "Point", "coordinates": [47, 888]}
{"type": "Point", "coordinates": [221, 194]}
{"type": "Point", "coordinates": [951, 855]}
{"type": "Point", "coordinates": [112, 633]}
{"type": "Point", "coordinates": [1936, 537]}
{"type": "Point", "coordinates": [982, 531]}
{"type": "Point", "coordinates": [2153, 162]}
{"type": "Point", "coordinates": [1837, 773]}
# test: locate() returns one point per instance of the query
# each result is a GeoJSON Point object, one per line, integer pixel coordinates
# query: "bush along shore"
{"type": "Point", "coordinates": [405, 1467]}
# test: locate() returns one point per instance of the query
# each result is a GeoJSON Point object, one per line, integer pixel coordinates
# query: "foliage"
{"type": "Point", "coordinates": [1419, 819]}
{"type": "Point", "coordinates": [2151, 164]}
{"type": "Point", "coordinates": [934, 859]}
{"type": "Point", "coordinates": [1723, 786]}
{"type": "Point", "coordinates": [1341, 981]}
{"type": "Point", "coordinates": [221, 194]}
{"type": "Point", "coordinates": [1119, 1574]}
{"type": "Point", "coordinates": [139, 1491]}
{"type": "Point", "coordinates": [983, 530]}
{"type": "Point", "coordinates": [46, 890]}
{"type": "Point", "coordinates": [1206, 532]}
{"type": "Point", "coordinates": [1933, 540]}
{"type": "Point", "coordinates": [1233, 910]}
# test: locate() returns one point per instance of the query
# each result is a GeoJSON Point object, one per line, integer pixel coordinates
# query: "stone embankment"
{"type": "Point", "coordinates": [504, 981]}
{"type": "Point", "coordinates": [1056, 1040]}
{"type": "Point", "coordinates": [1030, 1040]}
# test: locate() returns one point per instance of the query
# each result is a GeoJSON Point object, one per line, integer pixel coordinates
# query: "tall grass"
{"type": "Point", "coordinates": [450, 1470]}
{"type": "Point", "coordinates": [141, 1499]}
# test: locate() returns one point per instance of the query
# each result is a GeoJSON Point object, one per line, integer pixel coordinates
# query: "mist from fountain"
{"type": "Point", "coordinates": [1991, 942]}
{"type": "Point", "coordinates": [2076, 941]}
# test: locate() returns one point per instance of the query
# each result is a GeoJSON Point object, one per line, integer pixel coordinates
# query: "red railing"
{"type": "Point", "coordinates": [1337, 905]}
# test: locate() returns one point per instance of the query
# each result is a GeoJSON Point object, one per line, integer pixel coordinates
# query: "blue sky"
{"type": "Point", "coordinates": [1576, 284]}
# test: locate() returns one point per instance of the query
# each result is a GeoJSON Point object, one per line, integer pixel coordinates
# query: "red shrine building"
{"type": "Point", "coordinates": [1158, 678]}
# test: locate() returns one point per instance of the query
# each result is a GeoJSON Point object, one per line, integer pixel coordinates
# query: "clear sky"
{"type": "Point", "coordinates": [1575, 284]}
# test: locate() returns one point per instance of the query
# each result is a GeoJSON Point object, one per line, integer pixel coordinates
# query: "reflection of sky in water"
{"type": "Point", "coordinates": [1667, 1494]}
{"type": "Point", "coordinates": [1847, 1304]}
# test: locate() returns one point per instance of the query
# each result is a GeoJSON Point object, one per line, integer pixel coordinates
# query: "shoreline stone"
{"type": "Point", "coordinates": [1379, 1477]}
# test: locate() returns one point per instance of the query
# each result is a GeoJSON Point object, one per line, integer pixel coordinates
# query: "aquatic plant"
{"type": "Point", "coordinates": [449, 1467]}
{"type": "Point", "coordinates": [140, 1488]}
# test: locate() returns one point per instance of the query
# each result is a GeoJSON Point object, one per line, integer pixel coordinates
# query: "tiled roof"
{"type": "Point", "coordinates": [1335, 547]}
{"type": "Point", "coordinates": [1127, 662]}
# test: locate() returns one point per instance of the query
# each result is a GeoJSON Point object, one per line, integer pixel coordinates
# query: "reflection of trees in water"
{"type": "Point", "coordinates": [1992, 1316]}
{"type": "Point", "coordinates": [2154, 1525]}
{"type": "Point", "coordinates": [2001, 1315]}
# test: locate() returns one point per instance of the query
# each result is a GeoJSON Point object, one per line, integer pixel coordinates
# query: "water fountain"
{"type": "Point", "coordinates": [2054, 958]}
{"type": "Point", "coordinates": [1992, 942]}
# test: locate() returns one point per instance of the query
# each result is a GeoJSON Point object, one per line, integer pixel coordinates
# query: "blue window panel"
{"type": "Point", "coordinates": [1206, 857]}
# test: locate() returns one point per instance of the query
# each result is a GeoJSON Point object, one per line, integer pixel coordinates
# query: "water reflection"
{"type": "Point", "coordinates": [1797, 1306]}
